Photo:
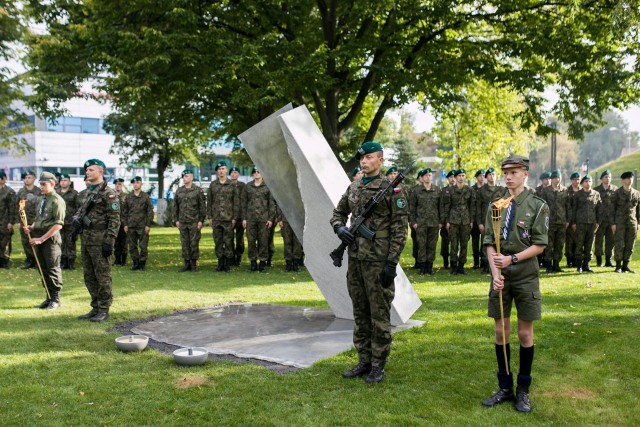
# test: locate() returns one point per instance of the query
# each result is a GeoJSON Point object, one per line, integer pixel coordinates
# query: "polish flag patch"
{"type": "Point", "coordinates": [397, 190]}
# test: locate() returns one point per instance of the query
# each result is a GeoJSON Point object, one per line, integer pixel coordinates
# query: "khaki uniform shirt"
{"type": "Point", "coordinates": [51, 211]}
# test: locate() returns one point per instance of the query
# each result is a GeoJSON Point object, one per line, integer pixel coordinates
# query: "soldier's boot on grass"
{"type": "Point", "coordinates": [55, 298]}
{"type": "Point", "coordinates": [194, 265]}
{"type": "Point", "coordinates": [287, 266]}
{"type": "Point", "coordinates": [229, 262]}
{"type": "Point", "coordinates": [361, 369]}
{"type": "Point", "coordinates": [100, 316]}
{"type": "Point", "coordinates": [295, 265]}
{"type": "Point", "coordinates": [376, 375]}
{"type": "Point", "coordinates": [549, 266]}
{"type": "Point", "coordinates": [44, 304]}
{"type": "Point", "coordinates": [136, 265]}
{"type": "Point", "coordinates": [72, 264]}
{"type": "Point", "coordinates": [430, 271]}
{"type": "Point", "coordinates": [423, 268]}
{"type": "Point", "coordinates": [454, 268]}
{"type": "Point", "coordinates": [619, 267]}
{"type": "Point", "coordinates": [476, 262]}
{"type": "Point", "coordinates": [28, 263]}
{"type": "Point", "coordinates": [608, 263]}
{"type": "Point", "coordinates": [461, 269]}
{"type": "Point", "coordinates": [578, 263]}
{"type": "Point", "coordinates": [186, 266]}
{"type": "Point", "coordinates": [598, 261]}
{"type": "Point", "coordinates": [254, 266]}
{"type": "Point", "coordinates": [585, 267]}
{"type": "Point", "coordinates": [220, 265]}
{"type": "Point", "coordinates": [505, 394]}
{"type": "Point", "coordinates": [269, 260]}
{"type": "Point", "coordinates": [556, 267]}
{"type": "Point", "coordinates": [522, 393]}
{"type": "Point", "coordinates": [261, 266]}
{"type": "Point", "coordinates": [625, 268]}
{"type": "Point", "coordinates": [143, 265]}
{"type": "Point", "coordinates": [90, 314]}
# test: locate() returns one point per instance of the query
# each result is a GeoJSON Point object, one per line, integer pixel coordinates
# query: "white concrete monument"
{"type": "Point", "coordinates": [307, 181]}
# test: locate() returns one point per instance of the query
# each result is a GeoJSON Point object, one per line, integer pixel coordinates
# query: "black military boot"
{"type": "Point", "coordinates": [429, 269]}
{"type": "Point", "coordinates": [454, 268]}
{"type": "Point", "coordinates": [194, 265]}
{"type": "Point", "coordinates": [446, 261]}
{"type": "Point", "coordinates": [28, 263]}
{"type": "Point", "coordinates": [523, 404]}
{"type": "Point", "coordinates": [362, 368]}
{"type": "Point", "coordinates": [44, 304]}
{"type": "Point", "coordinates": [254, 266]}
{"type": "Point", "coordinates": [287, 266]}
{"type": "Point", "coordinates": [143, 265]}
{"type": "Point", "coordinates": [423, 268]}
{"type": "Point", "coordinates": [220, 265]}
{"type": "Point", "coordinates": [64, 263]}
{"type": "Point", "coordinates": [556, 267]}
{"type": "Point", "coordinates": [72, 264]}
{"type": "Point", "coordinates": [100, 316]}
{"type": "Point", "coordinates": [269, 260]}
{"type": "Point", "coordinates": [619, 267]}
{"type": "Point", "coordinates": [55, 298]}
{"type": "Point", "coordinates": [227, 264]}
{"type": "Point", "coordinates": [608, 263]}
{"type": "Point", "coordinates": [578, 264]}
{"type": "Point", "coordinates": [505, 394]}
{"type": "Point", "coordinates": [585, 267]}
{"type": "Point", "coordinates": [376, 375]}
{"type": "Point", "coordinates": [549, 266]}
{"type": "Point", "coordinates": [89, 315]}
{"type": "Point", "coordinates": [625, 267]}
{"type": "Point", "coordinates": [598, 261]}
{"type": "Point", "coordinates": [461, 269]}
{"type": "Point", "coordinates": [186, 266]}
{"type": "Point", "coordinates": [295, 266]}
{"type": "Point", "coordinates": [261, 266]}
{"type": "Point", "coordinates": [136, 265]}
{"type": "Point", "coordinates": [476, 262]}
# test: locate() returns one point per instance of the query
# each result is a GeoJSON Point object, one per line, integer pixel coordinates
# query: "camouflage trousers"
{"type": "Point", "coordinates": [476, 242]}
{"type": "Point", "coordinates": [190, 239]}
{"type": "Point", "coordinates": [570, 244]}
{"type": "Point", "coordinates": [68, 243]}
{"type": "Point", "coordinates": [5, 243]}
{"type": "Point", "coordinates": [292, 246]}
{"type": "Point", "coordinates": [427, 241]}
{"type": "Point", "coordinates": [97, 276]}
{"type": "Point", "coordinates": [238, 240]}
{"type": "Point", "coordinates": [414, 243]}
{"type": "Point", "coordinates": [138, 242]}
{"type": "Point", "coordinates": [584, 236]}
{"type": "Point", "coordinates": [371, 311]}
{"type": "Point", "coordinates": [557, 235]}
{"type": "Point", "coordinates": [28, 251]}
{"type": "Point", "coordinates": [444, 242]}
{"type": "Point", "coordinates": [459, 237]}
{"type": "Point", "coordinates": [120, 246]}
{"type": "Point", "coordinates": [625, 238]}
{"type": "Point", "coordinates": [223, 239]}
{"type": "Point", "coordinates": [604, 235]}
{"type": "Point", "coordinates": [49, 253]}
{"type": "Point", "coordinates": [258, 240]}
{"type": "Point", "coordinates": [272, 246]}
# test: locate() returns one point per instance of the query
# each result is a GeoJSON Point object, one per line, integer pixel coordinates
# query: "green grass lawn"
{"type": "Point", "coordinates": [630, 162]}
{"type": "Point", "coordinates": [57, 370]}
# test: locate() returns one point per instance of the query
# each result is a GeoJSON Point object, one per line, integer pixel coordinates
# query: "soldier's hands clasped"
{"type": "Point", "coordinates": [344, 234]}
{"type": "Point", "coordinates": [107, 250]}
{"type": "Point", "coordinates": [388, 274]}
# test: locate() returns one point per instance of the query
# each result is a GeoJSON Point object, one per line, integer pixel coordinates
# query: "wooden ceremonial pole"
{"type": "Point", "coordinates": [23, 219]}
{"type": "Point", "coordinates": [496, 220]}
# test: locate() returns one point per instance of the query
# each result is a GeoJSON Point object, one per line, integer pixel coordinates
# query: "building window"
{"type": "Point", "coordinates": [57, 125]}
{"type": "Point", "coordinates": [90, 126]}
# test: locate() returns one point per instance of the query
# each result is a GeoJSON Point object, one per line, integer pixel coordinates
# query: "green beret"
{"type": "Point", "coordinates": [545, 175]}
{"type": "Point", "coordinates": [234, 169]}
{"type": "Point", "coordinates": [420, 173]}
{"type": "Point", "coordinates": [489, 171]}
{"type": "Point", "coordinates": [23, 175]}
{"type": "Point", "coordinates": [27, 173]}
{"type": "Point", "coordinates": [96, 162]}
{"type": "Point", "coordinates": [48, 177]}
{"type": "Point", "coordinates": [254, 170]}
{"type": "Point", "coordinates": [460, 172]}
{"type": "Point", "coordinates": [187, 171]}
{"type": "Point", "coordinates": [355, 171]}
{"type": "Point", "coordinates": [584, 178]}
{"type": "Point", "coordinates": [451, 173]}
{"type": "Point", "coordinates": [65, 175]}
{"type": "Point", "coordinates": [605, 173]}
{"type": "Point", "coordinates": [626, 175]}
{"type": "Point", "coordinates": [57, 174]}
{"type": "Point", "coordinates": [515, 161]}
{"type": "Point", "coordinates": [368, 148]}
{"type": "Point", "coordinates": [555, 174]}
{"type": "Point", "coordinates": [117, 180]}
{"type": "Point", "coordinates": [391, 170]}
{"type": "Point", "coordinates": [3, 174]}
{"type": "Point", "coordinates": [426, 171]}
{"type": "Point", "coordinates": [136, 179]}
{"type": "Point", "coordinates": [575, 175]}
{"type": "Point", "coordinates": [479, 172]}
{"type": "Point", "coordinates": [220, 164]}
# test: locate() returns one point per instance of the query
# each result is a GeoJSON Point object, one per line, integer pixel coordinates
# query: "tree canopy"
{"type": "Point", "coordinates": [227, 64]}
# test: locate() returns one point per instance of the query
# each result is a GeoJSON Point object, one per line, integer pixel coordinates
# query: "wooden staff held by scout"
{"type": "Point", "coordinates": [25, 227]}
{"type": "Point", "coordinates": [496, 220]}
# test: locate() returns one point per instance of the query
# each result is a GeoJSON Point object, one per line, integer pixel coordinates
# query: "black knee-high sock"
{"type": "Point", "coordinates": [500, 358]}
{"type": "Point", "coordinates": [526, 360]}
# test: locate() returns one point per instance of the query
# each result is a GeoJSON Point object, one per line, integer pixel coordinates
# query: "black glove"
{"type": "Point", "coordinates": [107, 250]}
{"type": "Point", "coordinates": [388, 274]}
{"type": "Point", "coordinates": [344, 234]}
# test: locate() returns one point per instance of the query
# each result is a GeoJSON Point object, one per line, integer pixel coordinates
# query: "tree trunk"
{"type": "Point", "coordinates": [161, 166]}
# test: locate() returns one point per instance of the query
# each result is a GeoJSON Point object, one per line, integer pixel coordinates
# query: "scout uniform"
{"type": "Point", "coordinates": [258, 207]}
{"type": "Point", "coordinates": [69, 238]}
{"type": "Point", "coordinates": [223, 206]}
{"type": "Point", "coordinates": [585, 214]}
{"type": "Point", "coordinates": [50, 212]}
{"type": "Point", "coordinates": [476, 243]}
{"type": "Point", "coordinates": [371, 270]}
{"type": "Point", "coordinates": [557, 198]}
{"type": "Point", "coordinates": [445, 197]}
{"type": "Point", "coordinates": [604, 233]}
{"type": "Point", "coordinates": [7, 219]}
{"type": "Point", "coordinates": [137, 214]}
{"type": "Point", "coordinates": [459, 211]}
{"type": "Point", "coordinates": [120, 248]}
{"type": "Point", "coordinates": [30, 196]}
{"type": "Point", "coordinates": [524, 223]}
{"type": "Point", "coordinates": [625, 211]}
{"type": "Point", "coordinates": [189, 209]}
{"type": "Point", "coordinates": [424, 211]}
{"type": "Point", "coordinates": [238, 234]}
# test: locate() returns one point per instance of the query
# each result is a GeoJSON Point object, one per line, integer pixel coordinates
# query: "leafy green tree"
{"type": "Point", "coordinates": [231, 63]}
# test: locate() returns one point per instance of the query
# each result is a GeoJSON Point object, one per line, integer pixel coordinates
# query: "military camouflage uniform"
{"type": "Point", "coordinates": [445, 198]}
{"type": "Point", "coordinates": [371, 301]}
{"type": "Point", "coordinates": [258, 207]}
{"type": "Point", "coordinates": [120, 248]}
{"type": "Point", "coordinates": [585, 213]}
{"type": "Point", "coordinates": [625, 211]}
{"type": "Point", "coordinates": [223, 206]}
{"type": "Point", "coordinates": [476, 241]}
{"type": "Point", "coordinates": [559, 211]}
{"type": "Point", "coordinates": [459, 211]}
{"type": "Point", "coordinates": [189, 208]}
{"type": "Point", "coordinates": [50, 212]}
{"type": "Point", "coordinates": [238, 239]}
{"type": "Point", "coordinates": [7, 216]}
{"type": "Point", "coordinates": [137, 213]}
{"type": "Point", "coordinates": [31, 198]}
{"type": "Point", "coordinates": [72, 204]}
{"type": "Point", "coordinates": [82, 196]}
{"type": "Point", "coordinates": [604, 233]}
{"type": "Point", "coordinates": [424, 210]}
{"type": "Point", "coordinates": [485, 195]}
{"type": "Point", "coordinates": [292, 246]}
{"type": "Point", "coordinates": [412, 232]}
{"type": "Point", "coordinates": [570, 240]}
{"type": "Point", "coordinates": [105, 221]}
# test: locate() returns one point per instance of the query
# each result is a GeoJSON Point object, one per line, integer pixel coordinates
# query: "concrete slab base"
{"type": "Point", "coordinates": [291, 336]}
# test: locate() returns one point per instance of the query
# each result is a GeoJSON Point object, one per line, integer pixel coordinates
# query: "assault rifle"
{"type": "Point", "coordinates": [81, 219]}
{"type": "Point", "coordinates": [357, 225]}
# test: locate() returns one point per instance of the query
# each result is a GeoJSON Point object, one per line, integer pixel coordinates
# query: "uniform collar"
{"type": "Point", "coordinates": [367, 180]}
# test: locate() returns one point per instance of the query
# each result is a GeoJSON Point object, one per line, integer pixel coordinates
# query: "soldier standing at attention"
{"type": "Point", "coordinates": [7, 218]}
{"type": "Point", "coordinates": [625, 205]}
{"type": "Point", "coordinates": [356, 174]}
{"type": "Point", "coordinates": [120, 249]}
{"type": "Point", "coordinates": [459, 210]}
{"type": "Point", "coordinates": [223, 207]}
{"type": "Point", "coordinates": [604, 233]}
{"type": "Point", "coordinates": [570, 240]}
{"type": "Point", "coordinates": [372, 268]}
{"type": "Point", "coordinates": [46, 239]}
{"type": "Point", "coordinates": [445, 197]}
{"type": "Point", "coordinates": [29, 193]}
{"type": "Point", "coordinates": [523, 235]}
{"type": "Point", "coordinates": [70, 197]}
{"type": "Point", "coordinates": [476, 243]}
{"type": "Point", "coordinates": [488, 192]}
{"type": "Point", "coordinates": [137, 212]}
{"type": "Point", "coordinates": [424, 219]}
{"type": "Point", "coordinates": [98, 238]}
{"type": "Point", "coordinates": [259, 212]}
{"type": "Point", "coordinates": [412, 231]}
{"type": "Point", "coordinates": [189, 212]}
{"type": "Point", "coordinates": [545, 179]}
{"type": "Point", "coordinates": [557, 198]}
{"type": "Point", "coordinates": [238, 241]}
{"type": "Point", "coordinates": [82, 195]}
{"type": "Point", "coordinates": [586, 216]}
{"type": "Point", "coordinates": [292, 246]}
